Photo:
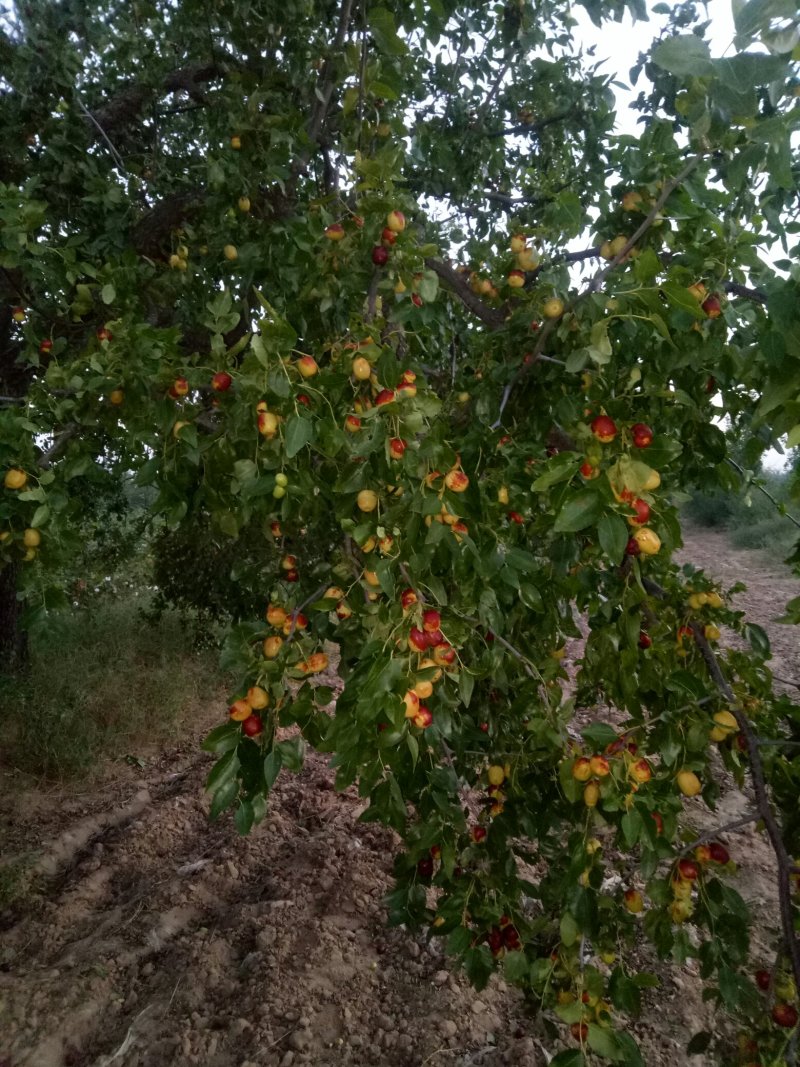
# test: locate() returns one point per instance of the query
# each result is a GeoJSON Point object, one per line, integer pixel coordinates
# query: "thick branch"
{"type": "Point", "coordinates": [127, 107]}
{"type": "Point", "coordinates": [327, 80]}
{"type": "Point", "coordinates": [493, 317]}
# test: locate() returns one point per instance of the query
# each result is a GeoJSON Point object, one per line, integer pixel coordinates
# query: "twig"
{"type": "Point", "coordinates": [646, 223]}
{"type": "Point", "coordinates": [763, 804]}
{"type": "Point", "coordinates": [13, 400]}
{"type": "Point", "coordinates": [412, 587]}
{"type": "Point", "coordinates": [296, 611]}
{"type": "Point", "coordinates": [711, 834]}
{"type": "Point", "coordinates": [768, 495]}
{"type": "Point", "coordinates": [114, 153]}
{"type": "Point", "coordinates": [526, 663]}
{"type": "Point", "coordinates": [533, 127]}
{"type": "Point", "coordinates": [278, 1040]}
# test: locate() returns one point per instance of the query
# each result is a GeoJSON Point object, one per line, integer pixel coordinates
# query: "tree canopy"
{"type": "Point", "coordinates": [376, 292]}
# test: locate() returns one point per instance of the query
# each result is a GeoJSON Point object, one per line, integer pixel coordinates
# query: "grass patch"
{"type": "Point", "coordinates": [103, 681]}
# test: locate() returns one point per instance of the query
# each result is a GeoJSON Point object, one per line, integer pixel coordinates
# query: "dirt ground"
{"type": "Point", "coordinates": [153, 940]}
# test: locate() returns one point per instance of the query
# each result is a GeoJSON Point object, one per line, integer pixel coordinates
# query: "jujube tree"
{"type": "Point", "coordinates": [377, 293]}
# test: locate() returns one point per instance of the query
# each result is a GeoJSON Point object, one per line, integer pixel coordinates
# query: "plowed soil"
{"type": "Point", "coordinates": [148, 938]}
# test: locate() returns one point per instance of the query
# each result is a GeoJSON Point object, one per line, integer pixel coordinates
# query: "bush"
{"type": "Point", "coordinates": [750, 517]}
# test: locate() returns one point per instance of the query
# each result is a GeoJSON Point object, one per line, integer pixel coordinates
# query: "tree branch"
{"type": "Point", "coordinates": [493, 317]}
{"type": "Point", "coordinates": [127, 107]}
{"type": "Point", "coordinates": [763, 805]}
{"type": "Point", "coordinates": [327, 80]}
{"type": "Point", "coordinates": [711, 834]}
{"type": "Point", "coordinates": [534, 127]}
{"type": "Point", "coordinates": [595, 282]}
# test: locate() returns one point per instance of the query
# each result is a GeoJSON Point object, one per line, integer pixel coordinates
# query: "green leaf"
{"type": "Point", "coordinates": [428, 286]}
{"type": "Point", "coordinates": [559, 468]}
{"type": "Point", "coordinates": [244, 817]}
{"type": "Point", "coordinates": [612, 533]}
{"type": "Point", "coordinates": [599, 734]}
{"type": "Point", "coordinates": [383, 29]}
{"type": "Point", "coordinates": [679, 296]}
{"type": "Point", "coordinates": [299, 432]}
{"type": "Point", "coordinates": [223, 738]}
{"type": "Point", "coordinates": [272, 766]}
{"type": "Point", "coordinates": [466, 683]}
{"type": "Point", "coordinates": [223, 798]}
{"type": "Point", "coordinates": [40, 516]}
{"type": "Point", "coordinates": [223, 770]}
{"type": "Point", "coordinates": [581, 510]}
{"type": "Point", "coordinates": [568, 929]}
{"type": "Point", "coordinates": [572, 1057]}
{"type": "Point", "coordinates": [683, 55]}
{"type": "Point", "coordinates": [758, 638]}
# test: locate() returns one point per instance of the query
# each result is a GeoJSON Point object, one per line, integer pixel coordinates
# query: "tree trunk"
{"type": "Point", "coordinates": [13, 639]}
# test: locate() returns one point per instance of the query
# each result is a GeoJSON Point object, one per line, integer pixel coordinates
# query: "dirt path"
{"type": "Point", "coordinates": [158, 941]}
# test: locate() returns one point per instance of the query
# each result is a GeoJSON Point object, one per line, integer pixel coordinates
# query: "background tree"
{"type": "Point", "coordinates": [307, 269]}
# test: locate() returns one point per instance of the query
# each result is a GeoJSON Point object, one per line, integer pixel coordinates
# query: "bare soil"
{"type": "Point", "coordinates": [150, 939]}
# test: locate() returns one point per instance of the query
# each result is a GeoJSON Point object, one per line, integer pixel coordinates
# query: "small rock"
{"type": "Point", "coordinates": [478, 1007]}
{"type": "Point", "coordinates": [232, 871]}
{"type": "Point", "coordinates": [448, 1028]}
{"type": "Point", "coordinates": [287, 1060]}
{"type": "Point", "coordinates": [300, 1040]}
{"type": "Point", "coordinates": [148, 969]}
{"type": "Point", "coordinates": [441, 977]}
{"type": "Point", "coordinates": [250, 962]}
{"type": "Point", "coordinates": [240, 1026]}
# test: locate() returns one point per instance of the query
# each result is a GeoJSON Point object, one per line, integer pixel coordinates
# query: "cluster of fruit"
{"type": "Point", "coordinates": [496, 776]}
{"type": "Point", "coordinates": [603, 777]}
{"type": "Point", "coordinates": [16, 480]}
{"type": "Point", "coordinates": [429, 668]}
{"type": "Point", "coordinates": [503, 937]}
{"type": "Point", "coordinates": [245, 710]}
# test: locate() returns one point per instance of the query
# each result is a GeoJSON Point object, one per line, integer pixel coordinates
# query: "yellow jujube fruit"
{"type": "Point", "coordinates": [361, 369]}
{"type": "Point", "coordinates": [648, 541]}
{"type": "Point", "coordinates": [502, 495]}
{"type": "Point", "coordinates": [726, 725]}
{"type": "Point", "coordinates": [688, 783]}
{"type": "Point", "coordinates": [15, 479]}
{"type": "Point", "coordinates": [496, 774]}
{"type": "Point", "coordinates": [257, 697]}
{"type": "Point", "coordinates": [367, 500]}
{"type": "Point", "coordinates": [31, 538]}
{"type": "Point", "coordinates": [591, 795]}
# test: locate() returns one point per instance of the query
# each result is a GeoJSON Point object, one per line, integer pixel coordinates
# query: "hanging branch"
{"type": "Point", "coordinates": [766, 492]}
{"type": "Point", "coordinates": [763, 805]}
